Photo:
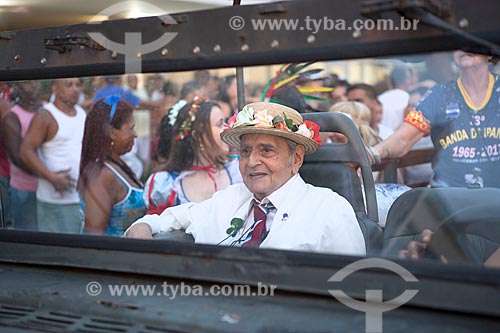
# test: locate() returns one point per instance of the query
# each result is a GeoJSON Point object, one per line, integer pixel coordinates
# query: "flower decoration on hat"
{"type": "Point", "coordinates": [273, 119]}
{"type": "Point", "coordinates": [249, 117]}
{"type": "Point", "coordinates": [231, 121]}
{"type": "Point", "coordinates": [314, 129]}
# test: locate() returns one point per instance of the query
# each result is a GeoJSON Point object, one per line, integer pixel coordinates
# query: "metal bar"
{"type": "Point", "coordinates": [290, 271]}
{"type": "Point", "coordinates": [240, 78]}
{"type": "Point", "coordinates": [413, 157]}
{"type": "Point", "coordinates": [240, 81]}
{"type": "Point", "coordinates": [58, 295]}
{"type": "Point", "coordinates": [194, 48]}
{"type": "Point", "coordinates": [391, 175]}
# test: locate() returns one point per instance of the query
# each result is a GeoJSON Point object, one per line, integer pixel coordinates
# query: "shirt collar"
{"type": "Point", "coordinates": [280, 196]}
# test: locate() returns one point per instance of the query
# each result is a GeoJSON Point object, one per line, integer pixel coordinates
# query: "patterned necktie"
{"type": "Point", "coordinates": [259, 232]}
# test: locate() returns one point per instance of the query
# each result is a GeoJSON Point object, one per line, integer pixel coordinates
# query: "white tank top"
{"type": "Point", "coordinates": [62, 153]}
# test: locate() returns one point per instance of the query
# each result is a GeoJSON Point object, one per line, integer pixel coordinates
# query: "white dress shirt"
{"type": "Point", "coordinates": [307, 218]}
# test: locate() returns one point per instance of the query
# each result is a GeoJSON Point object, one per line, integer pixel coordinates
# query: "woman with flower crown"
{"type": "Point", "coordinates": [273, 207]}
{"type": "Point", "coordinates": [197, 165]}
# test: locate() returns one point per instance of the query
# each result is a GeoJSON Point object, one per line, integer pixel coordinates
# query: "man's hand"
{"type": "Point", "coordinates": [336, 137]}
{"type": "Point", "coordinates": [415, 249]}
{"type": "Point", "coordinates": [140, 230]}
{"type": "Point", "coordinates": [62, 181]}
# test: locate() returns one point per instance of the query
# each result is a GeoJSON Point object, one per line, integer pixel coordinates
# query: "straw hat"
{"type": "Point", "coordinates": [271, 119]}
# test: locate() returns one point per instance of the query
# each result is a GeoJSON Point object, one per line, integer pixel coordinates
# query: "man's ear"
{"type": "Point", "coordinates": [298, 158]}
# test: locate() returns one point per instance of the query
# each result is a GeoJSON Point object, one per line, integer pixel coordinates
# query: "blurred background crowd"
{"type": "Point", "coordinates": [375, 93]}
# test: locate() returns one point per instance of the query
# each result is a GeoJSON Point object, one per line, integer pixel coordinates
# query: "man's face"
{"type": "Point", "coordinates": [339, 94]}
{"type": "Point", "coordinates": [359, 95]}
{"type": "Point", "coordinates": [132, 81]}
{"type": "Point", "coordinates": [467, 59]}
{"type": "Point", "coordinates": [266, 163]}
{"type": "Point", "coordinates": [68, 91]}
{"type": "Point", "coordinates": [28, 90]}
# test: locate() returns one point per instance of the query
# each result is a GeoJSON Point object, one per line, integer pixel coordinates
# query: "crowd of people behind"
{"type": "Point", "coordinates": [63, 150]}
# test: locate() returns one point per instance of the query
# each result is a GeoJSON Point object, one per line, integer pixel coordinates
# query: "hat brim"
{"type": "Point", "coordinates": [233, 136]}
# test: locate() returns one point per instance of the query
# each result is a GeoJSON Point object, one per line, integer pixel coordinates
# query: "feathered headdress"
{"type": "Point", "coordinates": [288, 77]}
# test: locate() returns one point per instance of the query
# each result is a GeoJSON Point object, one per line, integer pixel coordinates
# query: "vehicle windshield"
{"type": "Point", "coordinates": [146, 150]}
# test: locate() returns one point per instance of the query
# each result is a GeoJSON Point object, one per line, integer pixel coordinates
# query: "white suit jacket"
{"type": "Point", "coordinates": [307, 218]}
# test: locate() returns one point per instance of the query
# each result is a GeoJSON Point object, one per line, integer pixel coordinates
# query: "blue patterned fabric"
{"type": "Point", "coordinates": [125, 212]}
{"type": "Point", "coordinates": [387, 193]}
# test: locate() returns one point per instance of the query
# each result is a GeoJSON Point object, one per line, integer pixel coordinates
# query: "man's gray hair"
{"type": "Point", "coordinates": [292, 146]}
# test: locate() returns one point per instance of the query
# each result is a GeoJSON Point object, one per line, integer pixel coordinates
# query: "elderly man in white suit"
{"type": "Point", "coordinates": [273, 208]}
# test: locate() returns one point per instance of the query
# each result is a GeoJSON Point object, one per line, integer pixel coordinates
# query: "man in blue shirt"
{"type": "Point", "coordinates": [114, 87]}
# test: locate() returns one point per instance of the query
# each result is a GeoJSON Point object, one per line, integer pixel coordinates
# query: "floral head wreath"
{"type": "Point", "coordinates": [174, 112]}
{"type": "Point", "coordinates": [185, 128]}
